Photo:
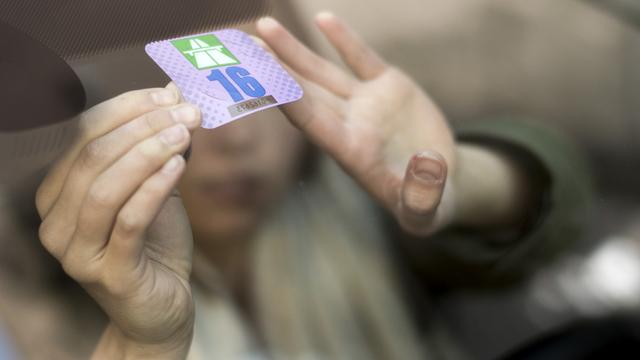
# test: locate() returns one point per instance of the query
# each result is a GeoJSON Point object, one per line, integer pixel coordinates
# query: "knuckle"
{"type": "Point", "coordinates": [114, 285]}
{"type": "Point", "coordinates": [136, 100]}
{"type": "Point", "coordinates": [79, 270]}
{"type": "Point", "coordinates": [47, 235]}
{"type": "Point", "coordinates": [145, 154]}
{"type": "Point", "coordinates": [157, 147]}
{"type": "Point", "coordinates": [100, 197]}
{"type": "Point", "coordinates": [82, 264]}
{"type": "Point", "coordinates": [54, 236]}
{"type": "Point", "coordinates": [155, 121]}
{"type": "Point", "coordinates": [85, 121]}
{"type": "Point", "coordinates": [79, 265]}
{"type": "Point", "coordinates": [73, 269]}
{"type": "Point", "coordinates": [43, 199]}
{"type": "Point", "coordinates": [151, 122]}
{"type": "Point", "coordinates": [129, 224]}
{"type": "Point", "coordinates": [92, 154]}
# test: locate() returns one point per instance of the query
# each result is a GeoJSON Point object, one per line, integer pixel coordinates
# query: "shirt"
{"type": "Point", "coordinates": [6, 350]}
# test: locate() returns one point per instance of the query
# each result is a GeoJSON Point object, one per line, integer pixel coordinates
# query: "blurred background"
{"type": "Point", "coordinates": [573, 65]}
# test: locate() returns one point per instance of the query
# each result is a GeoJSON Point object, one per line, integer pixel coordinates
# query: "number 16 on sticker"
{"type": "Point", "coordinates": [242, 78]}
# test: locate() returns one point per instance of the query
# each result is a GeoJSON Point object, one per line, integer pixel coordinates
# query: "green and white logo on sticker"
{"type": "Point", "coordinates": [205, 52]}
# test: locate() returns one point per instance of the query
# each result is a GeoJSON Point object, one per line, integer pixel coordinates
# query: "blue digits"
{"type": "Point", "coordinates": [217, 75]}
{"type": "Point", "coordinates": [248, 84]}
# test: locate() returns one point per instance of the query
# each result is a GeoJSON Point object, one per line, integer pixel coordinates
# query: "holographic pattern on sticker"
{"type": "Point", "coordinates": [253, 82]}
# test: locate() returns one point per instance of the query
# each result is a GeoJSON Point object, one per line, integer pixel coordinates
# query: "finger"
{"type": "Point", "coordinates": [111, 114]}
{"type": "Point", "coordinates": [319, 115]}
{"type": "Point", "coordinates": [421, 192]}
{"type": "Point", "coordinates": [98, 155]}
{"type": "Point", "coordinates": [116, 185]}
{"type": "Point", "coordinates": [127, 240]}
{"type": "Point", "coordinates": [325, 120]}
{"type": "Point", "coordinates": [354, 51]}
{"type": "Point", "coordinates": [173, 87]}
{"type": "Point", "coordinates": [103, 152]}
{"type": "Point", "coordinates": [304, 61]}
{"type": "Point", "coordinates": [97, 122]}
{"type": "Point", "coordinates": [61, 217]}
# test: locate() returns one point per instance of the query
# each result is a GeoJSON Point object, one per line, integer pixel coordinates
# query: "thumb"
{"type": "Point", "coordinates": [421, 192]}
{"type": "Point", "coordinates": [173, 87]}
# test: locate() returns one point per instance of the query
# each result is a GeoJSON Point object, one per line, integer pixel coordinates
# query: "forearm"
{"type": "Point", "coordinates": [492, 189]}
{"type": "Point", "coordinates": [115, 345]}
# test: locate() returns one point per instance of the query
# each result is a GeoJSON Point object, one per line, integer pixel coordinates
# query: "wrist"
{"type": "Point", "coordinates": [491, 189]}
{"type": "Point", "coordinates": [114, 344]}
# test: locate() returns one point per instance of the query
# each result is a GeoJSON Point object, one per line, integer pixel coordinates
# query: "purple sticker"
{"type": "Point", "coordinates": [226, 73]}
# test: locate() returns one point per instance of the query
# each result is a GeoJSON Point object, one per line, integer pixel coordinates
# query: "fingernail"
{"type": "Point", "coordinates": [268, 21]}
{"type": "Point", "coordinates": [174, 135]}
{"type": "Point", "coordinates": [187, 115]}
{"type": "Point", "coordinates": [429, 167]}
{"type": "Point", "coordinates": [172, 165]}
{"type": "Point", "coordinates": [164, 97]}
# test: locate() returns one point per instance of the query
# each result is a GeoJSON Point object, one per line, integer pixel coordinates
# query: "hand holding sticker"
{"type": "Point", "coordinates": [226, 73]}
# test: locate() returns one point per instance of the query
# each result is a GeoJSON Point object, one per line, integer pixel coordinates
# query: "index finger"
{"type": "Point", "coordinates": [98, 121]}
{"type": "Point", "coordinates": [303, 60]}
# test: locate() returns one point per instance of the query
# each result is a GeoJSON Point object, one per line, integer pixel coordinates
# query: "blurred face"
{"type": "Point", "coordinates": [238, 172]}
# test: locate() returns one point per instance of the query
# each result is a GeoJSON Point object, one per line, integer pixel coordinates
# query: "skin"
{"type": "Point", "coordinates": [371, 121]}
{"type": "Point", "coordinates": [235, 176]}
{"type": "Point", "coordinates": [110, 216]}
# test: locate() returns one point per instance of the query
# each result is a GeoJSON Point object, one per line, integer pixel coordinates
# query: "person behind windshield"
{"type": "Point", "coordinates": [307, 240]}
